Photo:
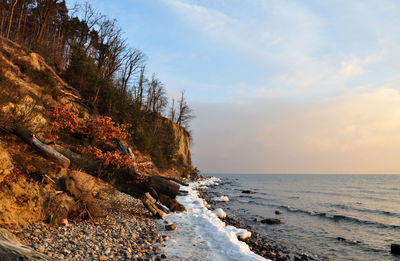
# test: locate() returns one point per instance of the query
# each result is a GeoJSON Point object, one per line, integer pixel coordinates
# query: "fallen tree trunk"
{"type": "Point", "coordinates": [171, 203]}
{"type": "Point", "coordinates": [45, 149]}
{"type": "Point", "coordinates": [134, 184]}
{"type": "Point", "coordinates": [161, 185]}
{"type": "Point", "coordinates": [149, 203]}
{"type": "Point", "coordinates": [176, 180]}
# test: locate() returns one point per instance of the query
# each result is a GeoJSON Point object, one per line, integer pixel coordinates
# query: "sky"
{"type": "Point", "coordinates": [277, 86]}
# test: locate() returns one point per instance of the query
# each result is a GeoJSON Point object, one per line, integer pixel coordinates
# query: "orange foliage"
{"type": "Point", "coordinates": [113, 158]}
{"type": "Point", "coordinates": [62, 119]}
{"type": "Point", "coordinates": [104, 129]}
{"type": "Point", "coordinates": [101, 129]}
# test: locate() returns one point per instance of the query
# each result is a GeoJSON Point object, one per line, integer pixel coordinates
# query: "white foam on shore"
{"type": "Point", "coordinates": [201, 235]}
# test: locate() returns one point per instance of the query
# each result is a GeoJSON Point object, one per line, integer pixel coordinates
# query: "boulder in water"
{"type": "Point", "coordinates": [271, 221]}
{"type": "Point", "coordinates": [277, 212]}
{"type": "Point", "coordinates": [395, 249]}
{"type": "Point", "coordinates": [170, 227]}
{"type": "Point", "coordinates": [248, 192]}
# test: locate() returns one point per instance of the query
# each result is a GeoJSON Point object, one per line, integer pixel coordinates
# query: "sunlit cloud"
{"type": "Point", "coordinates": [358, 133]}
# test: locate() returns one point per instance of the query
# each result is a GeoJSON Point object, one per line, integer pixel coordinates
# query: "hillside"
{"type": "Point", "coordinates": [36, 188]}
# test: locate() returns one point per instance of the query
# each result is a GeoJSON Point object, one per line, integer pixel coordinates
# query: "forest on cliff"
{"type": "Point", "coordinates": [88, 50]}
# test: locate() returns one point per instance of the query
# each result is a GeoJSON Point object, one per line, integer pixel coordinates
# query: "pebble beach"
{"type": "Point", "coordinates": [127, 232]}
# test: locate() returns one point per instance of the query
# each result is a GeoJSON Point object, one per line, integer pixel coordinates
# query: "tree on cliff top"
{"type": "Point", "coordinates": [185, 112]}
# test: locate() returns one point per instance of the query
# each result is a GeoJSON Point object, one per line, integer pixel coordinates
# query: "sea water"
{"type": "Point", "coordinates": [334, 217]}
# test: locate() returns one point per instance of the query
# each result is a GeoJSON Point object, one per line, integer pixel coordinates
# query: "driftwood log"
{"type": "Point", "coordinates": [150, 204]}
{"type": "Point", "coordinates": [45, 149]}
{"type": "Point", "coordinates": [176, 180]}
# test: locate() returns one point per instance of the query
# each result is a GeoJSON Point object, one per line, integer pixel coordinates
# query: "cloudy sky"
{"type": "Point", "coordinates": [278, 86]}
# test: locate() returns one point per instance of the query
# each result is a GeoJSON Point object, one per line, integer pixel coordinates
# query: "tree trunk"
{"type": "Point", "coordinates": [176, 180]}
{"type": "Point", "coordinates": [3, 20]}
{"type": "Point", "coordinates": [11, 18]}
{"type": "Point", "coordinates": [149, 203]}
{"type": "Point", "coordinates": [48, 151]}
{"type": "Point", "coordinates": [17, 32]}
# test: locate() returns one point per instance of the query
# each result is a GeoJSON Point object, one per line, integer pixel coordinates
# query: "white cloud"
{"type": "Point", "coordinates": [284, 29]}
{"type": "Point", "coordinates": [288, 39]}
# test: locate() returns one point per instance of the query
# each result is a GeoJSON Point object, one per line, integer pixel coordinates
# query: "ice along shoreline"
{"type": "Point", "coordinates": [201, 235]}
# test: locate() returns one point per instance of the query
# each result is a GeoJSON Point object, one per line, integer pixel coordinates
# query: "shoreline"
{"type": "Point", "coordinates": [201, 235]}
{"type": "Point", "coordinates": [256, 243]}
{"type": "Point", "coordinates": [260, 245]}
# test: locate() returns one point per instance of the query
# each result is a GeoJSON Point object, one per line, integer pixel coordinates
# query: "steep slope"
{"type": "Point", "coordinates": [34, 188]}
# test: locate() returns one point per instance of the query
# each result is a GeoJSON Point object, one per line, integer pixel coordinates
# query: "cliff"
{"type": "Point", "coordinates": [183, 161]}
{"type": "Point", "coordinates": [33, 188]}
{"type": "Point", "coordinates": [183, 144]}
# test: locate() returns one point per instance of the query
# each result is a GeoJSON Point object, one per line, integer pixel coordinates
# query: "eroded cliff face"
{"type": "Point", "coordinates": [183, 166]}
{"type": "Point", "coordinates": [183, 143]}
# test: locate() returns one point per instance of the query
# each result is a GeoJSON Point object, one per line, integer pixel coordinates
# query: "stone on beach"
{"type": "Point", "coordinates": [271, 221]}
{"type": "Point", "coordinates": [170, 227]}
{"type": "Point", "coordinates": [395, 249]}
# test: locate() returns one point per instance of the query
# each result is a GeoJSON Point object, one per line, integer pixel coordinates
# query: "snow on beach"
{"type": "Point", "coordinates": [201, 235]}
{"type": "Point", "coordinates": [221, 199]}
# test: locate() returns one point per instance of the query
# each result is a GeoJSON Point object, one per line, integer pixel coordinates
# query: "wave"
{"type": "Point", "coordinates": [340, 218]}
{"type": "Point", "coordinates": [249, 196]}
{"type": "Point", "coordinates": [257, 203]}
{"type": "Point", "coordinates": [365, 210]}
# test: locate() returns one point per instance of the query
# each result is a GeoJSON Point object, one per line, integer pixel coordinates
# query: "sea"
{"type": "Point", "coordinates": [328, 217]}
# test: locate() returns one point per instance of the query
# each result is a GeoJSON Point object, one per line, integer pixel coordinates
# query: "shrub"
{"type": "Point", "coordinates": [109, 158]}
{"type": "Point", "coordinates": [42, 78]}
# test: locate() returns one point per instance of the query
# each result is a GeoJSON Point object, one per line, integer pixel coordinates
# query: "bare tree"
{"type": "Point", "coordinates": [185, 113]}
{"type": "Point", "coordinates": [172, 110]}
{"type": "Point", "coordinates": [132, 62]}
{"type": "Point", "coordinates": [156, 96]}
{"type": "Point", "coordinates": [138, 93]}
